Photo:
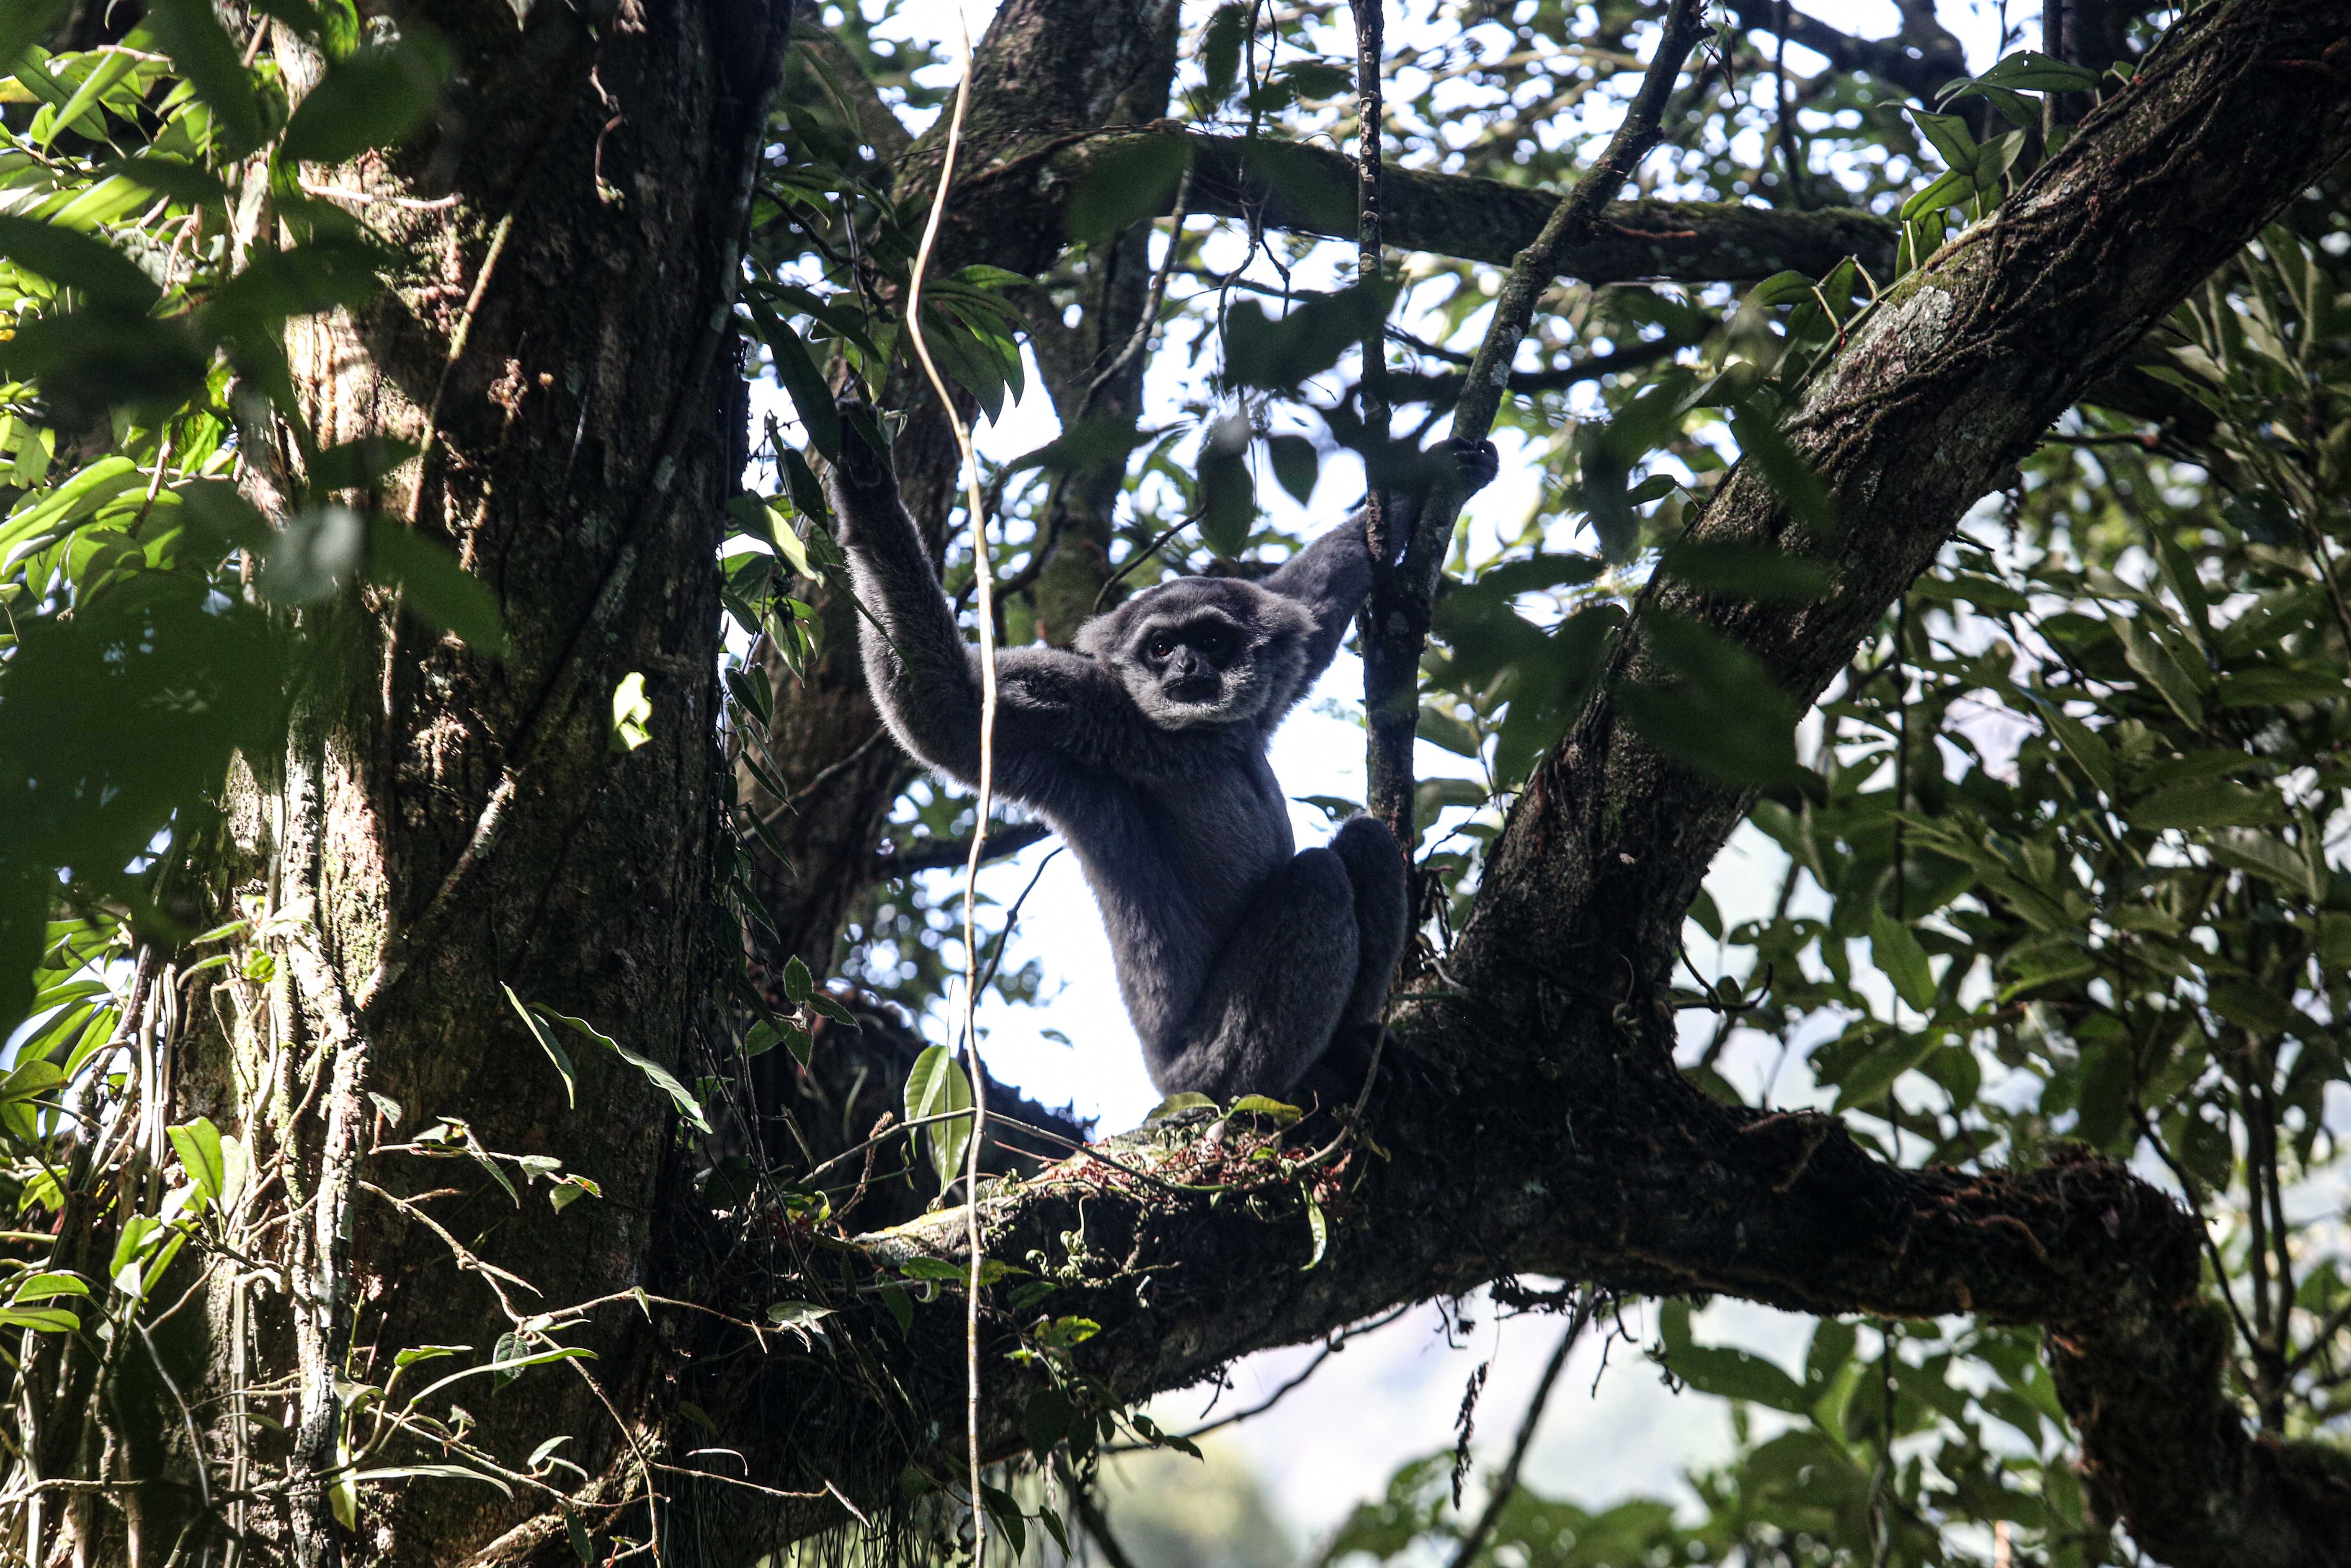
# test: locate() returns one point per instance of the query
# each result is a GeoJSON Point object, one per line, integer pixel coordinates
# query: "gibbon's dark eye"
{"type": "Point", "coordinates": [1212, 644]}
{"type": "Point", "coordinates": [1160, 647]}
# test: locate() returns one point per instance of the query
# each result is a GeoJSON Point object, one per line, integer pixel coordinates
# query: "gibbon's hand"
{"type": "Point", "coordinates": [1480, 463]}
{"type": "Point", "coordinates": [861, 467]}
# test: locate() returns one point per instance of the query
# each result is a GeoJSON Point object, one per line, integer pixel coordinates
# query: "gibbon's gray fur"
{"type": "Point", "coordinates": [1241, 959]}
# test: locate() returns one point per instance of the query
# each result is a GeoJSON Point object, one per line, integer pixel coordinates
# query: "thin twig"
{"type": "Point", "coordinates": [1152, 297]}
{"type": "Point", "coordinates": [1397, 622]}
{"type": "Point", "coordinates": [982, 574]}
{"type": "Point", "coordinates": [1506, 1482]}
{"type": "Point", "coordinates": [1089, 1514]}
{"type": "Point", "coordinates": [936, 856]}
{"type": "Point", "coordinates": [1337, 1343]}
{"type": "Point", "coordinates": [825, 775]}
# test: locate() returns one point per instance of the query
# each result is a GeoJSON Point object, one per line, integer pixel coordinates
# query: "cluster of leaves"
{"type": "Point", "coordinates": [2059, 868]}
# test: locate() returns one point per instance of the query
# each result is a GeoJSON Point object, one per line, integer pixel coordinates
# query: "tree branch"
{"type": "Point", "coordinates": [937, 855]}
{"type": "Point", "coordinates": [1397, 621]}
{"type": "Point", "coordinates": [1919, 65]}
{"type": "Point", "coordinates": [1309, 190]}
{"type": "Point", "coordinates": [1566, 1143]}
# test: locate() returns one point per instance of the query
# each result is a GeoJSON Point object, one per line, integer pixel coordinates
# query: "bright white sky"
{"type": "Point", "coordinates": [1392, 1395]}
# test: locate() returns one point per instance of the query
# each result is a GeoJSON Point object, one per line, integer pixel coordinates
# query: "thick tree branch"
{"type": "Point", "coordinates": [1565, 1142]}
{"type": "Point", "coordinates": [1309, 190]}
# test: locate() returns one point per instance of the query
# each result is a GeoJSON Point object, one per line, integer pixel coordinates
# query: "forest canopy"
{"type": "Point", "coordinates": [481, 1080]}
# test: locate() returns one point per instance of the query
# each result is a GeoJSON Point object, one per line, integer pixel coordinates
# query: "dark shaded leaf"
{"type": "Point", "coordinates": [435, 586]}
{"type": "Point", "coordinates": [1128, 180]}
{"type": "Point", "coordinates": [1261, 351]}
{"type": "Point", "coordinates": [1296, 465]}
{"type": "Point", "coordinates": [192, 35]}
{"type": "Point", "coordinates": [1725, 715]}
{"type": "Point", "coordinates": [76, 261]}
{"type": "Point", "coordinates": [1749, 571]}
{"type": "Point", "coordinates": [1227, 498]}
{"type": "Point", "coordinates": [372, 100]}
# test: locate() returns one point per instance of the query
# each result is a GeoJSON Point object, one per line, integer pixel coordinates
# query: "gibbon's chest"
{"type": "Point", "coordinates": [1221, 824]}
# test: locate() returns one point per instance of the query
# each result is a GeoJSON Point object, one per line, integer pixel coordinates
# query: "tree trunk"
{"type": "Point", "coordinates": [447, 830]}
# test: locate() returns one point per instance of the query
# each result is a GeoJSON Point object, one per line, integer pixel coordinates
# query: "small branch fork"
{"type": "Point", "coordinates": [1395, 626]}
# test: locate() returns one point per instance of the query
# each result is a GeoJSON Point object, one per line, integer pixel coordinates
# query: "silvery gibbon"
{"type": "Point", "coordinates": [1242, 959]}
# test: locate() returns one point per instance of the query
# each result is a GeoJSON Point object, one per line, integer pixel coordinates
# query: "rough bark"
{"type": "Point", "coordinates": [445, 823]}
{"type": "Point", "coordinates": [1565, 1143]}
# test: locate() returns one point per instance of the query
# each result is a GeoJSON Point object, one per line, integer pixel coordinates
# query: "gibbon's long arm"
{"type": "Point", "coordinates": [1055, 709]}
{"type": "Point", "coordinates": [1329, 577]}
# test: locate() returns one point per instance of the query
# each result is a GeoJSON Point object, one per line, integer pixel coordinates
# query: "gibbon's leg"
{"type": "Point", "coordinates": [1383, 913]}
{"type": "Point", "coordinates": [1273, 999]}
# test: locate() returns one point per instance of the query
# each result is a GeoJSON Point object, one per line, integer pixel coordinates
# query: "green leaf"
{"type": "Point", "coordinates": [631, 712]}
{"type": "Point", "coordinates": [795, 1314]}
{"type": "Point", "coordinates": [24, 23]}
{"type": "Point", "coordinates": [1227, 495]}
{"type": "Point", "coordinates": [1781, 288]}
{"type": "Point", "coordinates": [1265, 1105]}
{"type": "Point", "coordinates": [1792, 477]}
{"type": "Point", "coordinates": [1947, 189]}
{"type": "Point", "coordinates": [655, 1073]}
{"type": "Point", "coordinates": [1085, 446]}
{"type": "Point", "coordinates": [2030, 70]}
{"type": "Point", "coordinates": [936, 1086]}
{"type": "Point", "coordinates": [361, 465]}
{"type": "Point", "coordinates": [326, 273]}
{"type": "Point", "coordinates": [2041, 962]}
{"type": "Point", "coordinates": [2269, 686]}
{"type": "Point", "coordinates": [76, 261]}
{"type": "Point", "coordinates": [1758, 573]}
{"type": "Point", "coordinates": [442, 1472]}
{"type": "Point", "coordinates": [799, 985]}
{"type": "Point", "coordinates": [1734, 1374]}
{"type": "Point", "coordinates": [1949, 135]}
{"type": "Point", "coordinates": [2207, 803]}
{"type": "Point", "coordinates": [40, 1320]}
{"type": "Point", "coordinates": [46, 1287]}
{"type": "Point", "coordinates": [192, 35]}
{"type": "Point", "coordinates": [198, 1144]}
{"type": "Point", "coordinates": [2151, 659]}
{"type": "Point", "coordinates": [547, 1043]}
{"type": "Point", "coordinates": [435, 586]}
{"type": "Point", "coordinates": [1726, 715]}
{"type": "Point", "coordinates": [1868, 1078]}
{"type": "Point", "coordinates": [1899, 957]}
{"type": "Point", "coordinates": [2266, 854]}
{"type": "Point", "coordinates": [1127, 181]}
{"type": "Point", "coordinates": [797, 369]}
{"type": "Point", "coordinates": [1312, 336]}
{"type": "Point", "coordinates": [1174, 1103]}
{"type": "Point", "coordinates": [1318, 1229]}
{"type": "Point", "coordinates": [1220, 51]}
{"type": "Point", "coordinates": [2082, 744]}
{"type": "Point", "coordinates": [2257, 1009]}
{"type": "Point", "coordinates": [1296, 465]}
{"type": "Point", "coordinates": [371, 99]}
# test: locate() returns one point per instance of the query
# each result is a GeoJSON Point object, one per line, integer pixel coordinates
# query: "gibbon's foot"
{"type": "Point", "coordinates": [1336, 1079]}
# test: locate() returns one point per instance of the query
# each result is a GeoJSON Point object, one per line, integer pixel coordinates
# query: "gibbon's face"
{"type": "Point", "coordinates": [1201, 650]}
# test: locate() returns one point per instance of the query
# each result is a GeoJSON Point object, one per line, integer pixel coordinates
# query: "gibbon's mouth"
{"type": "Point", "coordinates": [1198, 692]}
